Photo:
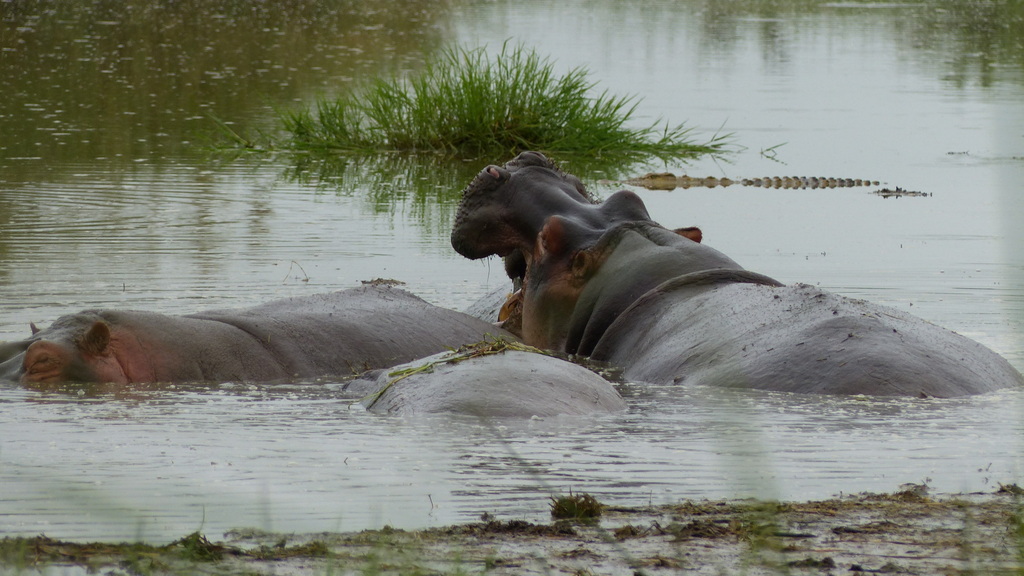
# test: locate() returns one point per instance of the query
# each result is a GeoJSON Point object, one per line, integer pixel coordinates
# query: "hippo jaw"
{"type": "Point", "coordinates": [49, 362]}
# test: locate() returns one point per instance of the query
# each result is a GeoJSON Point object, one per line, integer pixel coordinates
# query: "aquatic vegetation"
{"type": "Point", "coordinates": [903, 532]}
{"type": "Point", "coordinates": [197, 548]}
{"type": "Point", "coordinates": [485, 347]}
{"type": "Point", "coordinates": [467, 103]}
{"type": "Point", "coordinates": [576, 507]}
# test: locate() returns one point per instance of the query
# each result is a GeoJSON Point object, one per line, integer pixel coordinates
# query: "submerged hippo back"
{"type": "Point", "coordinates": [334, 334]}
{"type": "Point", "coordinates": [350, 331]}
{"type": "Point", "coordinates": [796, 339]}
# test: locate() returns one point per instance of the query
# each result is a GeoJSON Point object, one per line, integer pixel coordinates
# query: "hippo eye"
{"type": "Point", "coordinates": [489, 179]}
{"type": "Point", "coordinates": [39, 364]}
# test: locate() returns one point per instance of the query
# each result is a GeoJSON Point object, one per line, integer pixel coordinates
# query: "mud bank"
{"type": "Point", "coordinates": [907, 532]}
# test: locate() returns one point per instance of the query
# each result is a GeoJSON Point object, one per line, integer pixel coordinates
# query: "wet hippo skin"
{"type": "Point", "coordinates": [509, 384]}
{"type": "Point", "coordinates": [609, 283]}
{"type": "Point", "coordinates": [336, 334]}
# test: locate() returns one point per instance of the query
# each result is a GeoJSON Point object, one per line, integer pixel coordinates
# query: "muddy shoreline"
{"type": "Point", "coordinates": [907, 532]}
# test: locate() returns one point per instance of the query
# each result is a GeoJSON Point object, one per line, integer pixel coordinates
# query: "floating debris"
{"type": "Point", "coordinates": [383, 282]}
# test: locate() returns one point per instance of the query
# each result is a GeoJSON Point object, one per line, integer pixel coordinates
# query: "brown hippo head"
{"type": "Point", "coordinates": [560, 266]}
{"type": "Point", "coordinates": [560, 243]}
{"type": "Point", "coordinates": [74, 349]}
{"type": "Point", "coordinates": [580, 278]}
{"type": "Point", "coordinates": [510, 316]}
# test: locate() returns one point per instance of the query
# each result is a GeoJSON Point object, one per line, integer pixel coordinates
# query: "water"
{"type": "Point", "coordinates": [107, 200]}
{"type": "Point", "coordinates": [156, 465]}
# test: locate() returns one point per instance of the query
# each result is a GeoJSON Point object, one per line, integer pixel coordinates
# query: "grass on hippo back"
{"type": "Point", "coordinates": [485, 347]}
{"type": "Point", "coordinates": [512, 102]}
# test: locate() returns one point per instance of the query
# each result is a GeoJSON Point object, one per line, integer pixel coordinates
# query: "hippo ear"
{"type": "Point", "coordinates": [35, 329]}
{"type": "Point", "coordinates": [691, 232]}
{"type": "Point", "coordinates": [583, 263]}
{"type": "Point", "coordinates": [96, 339]}
{"type": "Point", "coordinates": [552, 236]}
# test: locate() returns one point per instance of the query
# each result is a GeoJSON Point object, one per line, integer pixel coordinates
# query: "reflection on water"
{"type": "Point", "coordinates": [104, 202]}
{"type": "Point", "coordinates": [182, 239]}
{"type": "Point", "coordinates": [428, 186]}
{"type": "Point", "coordinates": [137, 79]}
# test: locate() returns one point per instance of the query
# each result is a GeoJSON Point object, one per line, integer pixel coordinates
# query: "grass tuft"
{"type": "Point", "coordinates": [197, 548]}
{"type": "Point", "coordinates": [467, 103]}
{"type": "Point", "coordinates": [581, 507]}
{"type": "Point", "coordinates": [486, 347]}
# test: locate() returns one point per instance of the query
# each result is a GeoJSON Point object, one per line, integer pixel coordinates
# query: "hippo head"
{"type": "Point", "coordinates": [74, 349]}
{"type": "Point", "coordinates": [560, 266]}
{"type": "Point", "coordinates": [504, 207]}
{"type": "Point", "coordinates": [541, 220]}
{"type": "Point", "coordinates": [581, 278]}
{"type": "Point", "coordinates": [553, 242]}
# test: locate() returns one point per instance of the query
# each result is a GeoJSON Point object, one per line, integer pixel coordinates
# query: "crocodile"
{"type": "Point", "coordinates": [669, 181]}
{"type": "Point", "coordinates": [900, 193]}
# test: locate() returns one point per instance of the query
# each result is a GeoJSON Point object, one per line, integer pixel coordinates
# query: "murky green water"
{"type": "Point", "coordinates": [108, 200]}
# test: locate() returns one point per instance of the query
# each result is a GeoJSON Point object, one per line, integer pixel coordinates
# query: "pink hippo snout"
{"type": "Point", "coordinates": [88, 360]}
{"type": "Point", "coordinates": [44, 362]}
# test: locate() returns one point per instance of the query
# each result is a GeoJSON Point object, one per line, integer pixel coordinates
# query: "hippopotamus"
{"type": "Point", "coordinates": [337, 334]}
{"type": "Point", "coordinates": [563, 192]}
{"type": "Point", "coordinates": [489, 382]}
{"type": "Point", "coordinates": [610, 284]}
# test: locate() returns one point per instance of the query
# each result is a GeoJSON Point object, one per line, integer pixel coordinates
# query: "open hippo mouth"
{"type": "Point", "coordinates": [504, 207]}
